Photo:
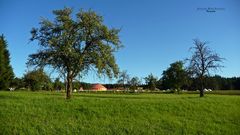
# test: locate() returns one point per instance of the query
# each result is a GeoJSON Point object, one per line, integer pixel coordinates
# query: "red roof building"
{"type": "Point", "coordinates": [98, 87]}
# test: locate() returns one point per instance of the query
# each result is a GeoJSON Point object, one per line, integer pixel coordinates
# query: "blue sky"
{"type": "Point", "coordinates": [155, 33]}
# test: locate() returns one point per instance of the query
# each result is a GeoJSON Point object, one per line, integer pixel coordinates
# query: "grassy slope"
{"type": "Point", "coordinates": [50, 113]}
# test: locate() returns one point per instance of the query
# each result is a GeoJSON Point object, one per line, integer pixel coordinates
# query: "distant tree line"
{"type": "Point", "coordinates": [212, 82]}
{"type": "Point", "coordinates": [176, 77]}
{"type": "Point", "coordinates": [39, 80]}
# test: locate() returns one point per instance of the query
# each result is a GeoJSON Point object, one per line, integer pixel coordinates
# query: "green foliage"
{"type": "Point", "coordinates": [49, 113]}
{"type": "Point", "coordinates": [76, 85]}
{"type": "Point", "coordinates": [73, 47]}
{"type": "Point", "coordinates": [57, 84]}
{"type": "Point", "coordinates": [211, 82]}
{"type": "Point", "coordinates": [6, 71]}
{"type": "Point", "coordinates": [175, 76]}
{"type": "Point", "coordinates": [151, 82]}
{"type": "Point", "coordinates": [86, 86]}
{"type": "Point", "coordinates": [134, 83]}
{"type": "Point", "coordinates": [18, 83]}
{"type": "Point", "coordinates": [221, 83]}
{"type": "Point", "coordinates": [37, 80]}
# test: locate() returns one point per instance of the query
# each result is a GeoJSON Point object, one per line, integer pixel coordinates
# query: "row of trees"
{"type": "Point", "coordinates": [177, 77]}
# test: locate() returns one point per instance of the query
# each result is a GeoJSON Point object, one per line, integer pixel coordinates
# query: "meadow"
{"type": "Point", "coordinates": [89, 113]}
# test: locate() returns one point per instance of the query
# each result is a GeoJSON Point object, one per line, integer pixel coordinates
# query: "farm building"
{"type": "Point", "coordinates": [98, 87]}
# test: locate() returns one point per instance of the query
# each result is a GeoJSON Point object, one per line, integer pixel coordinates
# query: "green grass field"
{"type": "Point", "coordinates": [50, 113]}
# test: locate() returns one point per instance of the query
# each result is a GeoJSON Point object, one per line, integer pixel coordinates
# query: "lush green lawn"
{"type": "Point", "coordinates": [50, 113]}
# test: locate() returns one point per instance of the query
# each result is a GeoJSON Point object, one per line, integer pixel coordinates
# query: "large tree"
{"type": "Point", "coordinates": [202, 61]}
{"type": "Point", "coordinates": [6, 71]}
{"type": "Point", "coordinates": [75, 46]}
{"type": "Point", "coordinates": [175, 76]}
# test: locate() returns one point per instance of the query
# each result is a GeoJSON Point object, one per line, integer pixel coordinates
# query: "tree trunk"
{"type": "Point", "coordinates": [201, 92]}
{"type": "Point", "coordinates": [69, 86]}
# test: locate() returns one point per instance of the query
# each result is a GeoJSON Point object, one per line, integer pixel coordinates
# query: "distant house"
{"type": "Point", "coordinates": [98, 87]}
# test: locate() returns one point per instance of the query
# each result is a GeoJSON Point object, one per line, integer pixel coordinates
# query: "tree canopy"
{"type": "Point", "coordinates": [73, 47]}
{"type": "Point", "coordinates": [151, 82]}
{"type": "Point", "coordinates": [203, 60]}
{"type": "Point", "coordinates": [175, 76]}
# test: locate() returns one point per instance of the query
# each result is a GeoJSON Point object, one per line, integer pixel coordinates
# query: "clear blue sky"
{"type": "Point", "coordinates": [155, 33]}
